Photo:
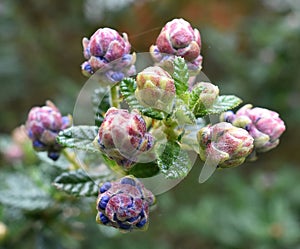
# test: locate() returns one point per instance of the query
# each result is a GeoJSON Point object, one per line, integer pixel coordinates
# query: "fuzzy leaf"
{"type": "Point", "coordinates": [79, 137]}
{"type": "Point", "coordinates": [128, 87]}
{"type": "Point", "coordinates": [180, 75]}
{"type": "Point", "coordinates": [173, 161]}
{"type": "Point", "coordinates": [79, 183]}
{"type": "Point", "coordinates": [101, 103]}
{"type": "Point", "coordinates": [222, 104]}
{"type": "Point", "coordinates": [19, 191]}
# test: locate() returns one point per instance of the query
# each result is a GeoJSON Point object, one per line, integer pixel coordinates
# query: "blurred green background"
{"type": "Point", "coordinates": [250, 49]}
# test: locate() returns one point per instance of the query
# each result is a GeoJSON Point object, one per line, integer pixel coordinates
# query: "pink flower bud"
{"type": "Point", "coordinates": [123, 137]}
{"type": "Point", "coordinates": [124, 204]}
{"type": "Point", "coordinates": [108, 52]}
{"type": "Point", "coordinates": [208, 94]}
{"type": "Point", "coordinates": [226, 143]}
{"type": "Point", "coordinates": [178, 38]}
{"type": "Point", "coordinates": [264, 125]}
{"type": "Point", "coordinates": [155, 88]}
{"type": "Point", "coordinates": [43, 125]}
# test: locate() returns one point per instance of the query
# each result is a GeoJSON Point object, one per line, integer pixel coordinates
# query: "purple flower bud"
{"type": "Point", "coordinates": [178, 38]}
{"type": "Point", "coordinates": [125, 204]}
{"type": "Point", "coordinates": [108, 52]}
{"type": "Point", "coordinates": [123, 137]}
{"type": "Point", "coordinates": [43, 125]}
{"type": "Point", "coordinates": [155, 88]}
{"type": "Point", "coordinates": [264, 126]}
{"type": "Point", "coordinates": [225, 143]}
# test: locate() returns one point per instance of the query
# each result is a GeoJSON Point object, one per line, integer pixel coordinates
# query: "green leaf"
{"type": "Point", "coordinates": [79, 183]}
{"type": "Point", "coordinates": [19, 191]}
{"type": "Point", "coordinates": [182, 113]}
{"type": "Point", "coordinates": [79, 137]}
{"type": "Point", "coordinates": [222, 104]}
{"type": "Point", "coordinates": [144, 170]}
{"type": "Point", "coordinates": [101, 103]}
{"type": "Point", "coordinates": [173, 161]}
{"type": "Point", "coordinates": [194, 99]}
{"type": "Point", "coordinates": [180, 75]}
{"type": "Point", "coordinates": [128, 87]}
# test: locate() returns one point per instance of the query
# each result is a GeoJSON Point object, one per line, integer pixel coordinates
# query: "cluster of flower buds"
{"type": "Point", "coordinates": [178, 38]}
{"type": "Point", "coordinates": [43, 125]}
{"type": "Point", "coordinates": [108, 52]}
{"type": "Point", "coordinates": [124, 204]}
{"type": "Point", "coordinates": [225, 143]}
{"type": "Point", "coordinates": [155, 88]}
{"type": "Point", "coordinates": [123, 137]}
{"type": "Point", "coordinates": [263, 125]}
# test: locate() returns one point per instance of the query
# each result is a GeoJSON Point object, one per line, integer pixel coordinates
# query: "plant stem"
{"type": "Point", "coordinates": [170, 129]}
{"type": "Point", "coordinates": [114, 96]}
{"type": "Point", "coordinates": [71, 158]}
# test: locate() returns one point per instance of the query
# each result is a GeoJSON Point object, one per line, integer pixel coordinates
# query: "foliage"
{"type": "Point", "coordinates": [257, 61]}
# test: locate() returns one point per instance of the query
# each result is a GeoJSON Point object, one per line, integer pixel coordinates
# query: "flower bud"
{"type": "Point", "coordinates": [178, 38]}
{"type": "Point", "coordinates": [264, 125]}
{"type": "Point", "coordinates": [124, 204]}
{"type": "Point", "coordinates": [43, 125]}
{"type": "Point", "coordinates": [155, 88]}
{"type": "Point", "coordinates": [208, 93]}
{"type": "Point", "coordinates": [122, 137]}
{"type": "Point", "coordinates": [225, 143]}
{"type": "Point", "coordinates": [108, 52]}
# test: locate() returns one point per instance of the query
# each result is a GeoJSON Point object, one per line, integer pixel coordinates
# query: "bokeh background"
{"type": "Point", "coordinates": [250, 49]}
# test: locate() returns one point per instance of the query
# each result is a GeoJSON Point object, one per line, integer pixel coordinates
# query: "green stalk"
{"type": "Point", "coordinates": [72, 159]}
{"type": "Point", "coordinates": [170, 129]}
{"type": "Point", "coordinates": [114, 96]}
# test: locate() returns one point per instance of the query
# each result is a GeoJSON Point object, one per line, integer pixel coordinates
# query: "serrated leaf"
{"type": "Point", "coordinates": [19, 191]}
{"type": "Point", "coordinates": [101, 103]}
{"type": "Point", "coordinates": [143, 170]}
{"type": "Point", "coordinates": [182, 113]}
{"type": "Point", "coordinates": [79, 183]}
{"type": "Point", "coordinates": [173, 162]}
{"type": "Point", "coordinates": [180, 75]}
{"type": "Point", "coordinates": [127, 88]}
{"type": "Point", "coordinates": [222, 104]}
{"type": "Point", "coordinates": [79, 137]}
{"type": "Point", "coordinates": [194, 96]}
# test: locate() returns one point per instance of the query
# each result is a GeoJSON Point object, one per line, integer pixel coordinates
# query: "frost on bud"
{"type": "Point", "coordinates": [263, 125]}
{"type": "Point", "coordinates": [228, 144]}
{"type": "Point", "coordinates": [43, 125]}
{"type": "Point", "coordinates": [155, 88]}
{"type": "Point", "coordinates": [124, 204]}
{"type": "Point", "coordinates": [108, 52]}
{"type": "Point", "coordinates": [178, 38]}
{"type": "Point", "coordinates": [208, 93]}
{"type": "Point", "coordinates": [122, 137]}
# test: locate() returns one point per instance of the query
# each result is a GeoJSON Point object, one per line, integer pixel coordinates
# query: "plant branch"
{"type": "Point", "coordinates": [72, 159]}
{"type": "Point", "coordinates": [114, 96]}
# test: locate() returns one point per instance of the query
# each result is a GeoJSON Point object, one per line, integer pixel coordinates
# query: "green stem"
{"type": "Point", "coordinates": [71, 158]}
{"type": "Point", "coordinates": [114, 96]}
{"type": "Point", "coordinates": [170, 130]}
